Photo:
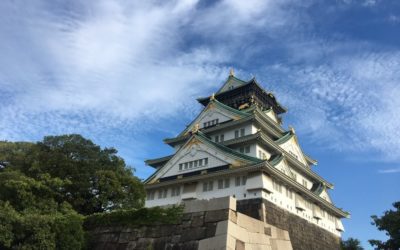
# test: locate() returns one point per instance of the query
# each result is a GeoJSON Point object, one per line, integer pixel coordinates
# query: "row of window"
{"type": "Point", "coordinates": [244, 149]}
{"type": "Point", "coordinates": [240, 133]}
{"type": "Point", "coordinates": [278, 187]}
{"type": "Point", "coordinates": [262, 155]}
{"type": "Point", "coordinates": [309, 205]}
{"type": "Point", "coordinates": [210, 123]}
{"type": "Point", "coordinates": [193, 164]}
{"type": "Point", "coordinates": [163, 193]}
{"type": "Point", "coordinates": [224, 183]}
{"type": "Point", "coordinates": [219, 138]}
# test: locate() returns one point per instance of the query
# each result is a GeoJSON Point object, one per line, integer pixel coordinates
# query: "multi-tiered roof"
{"type": "Point", "coordinates": [238, 103]}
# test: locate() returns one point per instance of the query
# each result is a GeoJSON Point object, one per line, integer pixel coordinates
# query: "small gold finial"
{"type": "Point", "coordinates": [212, 98]}
{"type": "Point", "coordinates": [195, 128]}
{"type": "Point", "coordinates": [231, 72]}
{"type": "Point", "coordinates": [292, 129]}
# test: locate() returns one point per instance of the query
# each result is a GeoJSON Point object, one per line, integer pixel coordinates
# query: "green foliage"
{"type": "Point", "coordinates": [350, 244]}
{"type": "Point", "coordinates": [91, 179]}
{"type": "Point", "coordinates": [143, 216]}
{"type": "Point", "coordinates": [389, 222]}
{"type": "Point", "coordinates": [46, 186]}
{"type": "Point", "coordinates": [32, 229]}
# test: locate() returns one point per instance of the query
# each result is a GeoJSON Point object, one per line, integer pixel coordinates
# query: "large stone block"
{"type": "Point", "coordinates": [210, 205]}
{"type": "Point", "coordinates": [193, 234]}
{"type": "Point", "coordinates": [216, 215]}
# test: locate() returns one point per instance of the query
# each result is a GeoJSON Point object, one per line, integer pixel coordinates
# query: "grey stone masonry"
{"type": "Point", "coordinates": [206, 224]}
{"type": "Point", "coordinates": [304, 235]}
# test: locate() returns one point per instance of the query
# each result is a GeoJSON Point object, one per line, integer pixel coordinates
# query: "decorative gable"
{"type": "Point", "coordinates": [289, 144]}
{"type": "Point", "coordinates": [231, 83]}
{"type": "Point", "coordinates": [200, 154]}
{"type": "Point", "coordinates": [213, 114]}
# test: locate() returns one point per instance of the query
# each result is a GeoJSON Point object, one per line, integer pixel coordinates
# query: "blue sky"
{"type": "Point", "coordinates": [126, 74]}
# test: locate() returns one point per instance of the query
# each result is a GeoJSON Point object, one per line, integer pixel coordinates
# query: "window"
{"type": "Point", "coordinates": [289, 193]}
{"type": "Point", "coordinates": [150, 195]}
{"type": "Point", "coordinates": [247, 149]}
{"type": "Point", "coordinates": [175, 191]}
{"type": "Point", "coordinates": [241, 150]}
{"type": "Point", "coordinates": [210, 123]}
{"type": "Point", "coordinates": [242, 132]}
{"type": "Point", "coordinates": [244, 180]}
{"type": "Point", "coordinates": [237, 181]}
{"type": "Point", "coordinates": [224, 183]}
{"type": "Point", "coordinates": [236, 133]}
{"type": "Point", "coordinates": [220, 184]}
{"type": "Point", "coordinates": [227, 183]}
{"type": "Point", "coordinates": [221, 137]}
{"type": "Point", "coordinates": [217, 138]}
{"type": "Point", "coordinates": [193, 164]}
{"type": "Point", "coordinates": [277, 186]}
{"type": "Point", "coordinates": [162, 193]}
{"type": "Point", "coordinates": [208, 186]}
{"type": "Point", "coordinates": [305, 183]}
{"type": "Point", "coordinates": [240, 180]}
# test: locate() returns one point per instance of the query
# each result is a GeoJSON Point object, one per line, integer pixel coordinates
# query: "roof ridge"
{"type": "Point", "coordinates": [227, 149]}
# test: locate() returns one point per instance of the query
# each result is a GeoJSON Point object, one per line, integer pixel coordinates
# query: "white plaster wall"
{"type": "Point", "coordinates": [259, 147]}
{"type": "Point", "coordinates": [291, 147]}
{"type": "Point", "coordinates": [300, 177]}
{"type": "Point", "coordinates": [271, 114]}
{"type": "Point", "coordinates": [241, 192]}
{"type": "Point", "coordinates": [229, 133]}
{"type": "Point", "coordinates": [213, 114]}
{"type": "Point", "coordinates": [281, 200]}
{"type": "Point", "coordinates": [195, 152]}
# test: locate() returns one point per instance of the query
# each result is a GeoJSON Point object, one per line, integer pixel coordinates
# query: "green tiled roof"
{"type": "Point", "coordinates": [222, 106]}
{"type": "Point", "coordinates": [284, 138]}
{"type": "Point", "coordinates": [232, 79]}
{"type": "Point", "coordinates": [275, 159]}
{"type": "Point", "coordinates": [206, 140]}
{"type": "Point", "coordinates": [158, 161]}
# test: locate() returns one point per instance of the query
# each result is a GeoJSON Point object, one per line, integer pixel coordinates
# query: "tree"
{"type": "Point", "coordinates": [45, 188]}
{"type": "Point", "coordinates": [389, 222]}
{"type": "Point", "coordinates": [31, 217]}
{"type": "Point", "coordinates": [95, 180]}
{"type": "Point", "coordinates": [350, 244]}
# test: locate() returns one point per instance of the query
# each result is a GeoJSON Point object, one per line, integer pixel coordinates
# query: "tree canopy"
{"type": "Point", "coordinates": [350, 244]}
{"type": "Point", "coordinates": [390, 223]}
{"type": "Point", "coordinates": [47, 187]}
{"type": "Point", "coordinates": [94, 179]}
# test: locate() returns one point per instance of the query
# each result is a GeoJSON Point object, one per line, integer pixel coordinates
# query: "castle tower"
{"type": "Point", "coordinates": [237, 147]}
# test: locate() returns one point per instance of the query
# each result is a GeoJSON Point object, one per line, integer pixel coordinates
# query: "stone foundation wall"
{"type": "Point", "coordinates": [213, 224]}
{"type": "Point", "coordinates": [303, 234]}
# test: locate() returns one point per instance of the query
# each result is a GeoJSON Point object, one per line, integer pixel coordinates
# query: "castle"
{"type": "Point", "coordinates": [237, 147]}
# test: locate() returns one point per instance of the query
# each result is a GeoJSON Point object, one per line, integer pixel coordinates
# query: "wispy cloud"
{"type": "Point", "coordinates": [389, 171]}
{"type": "Point", "coordinates": [116, 65]}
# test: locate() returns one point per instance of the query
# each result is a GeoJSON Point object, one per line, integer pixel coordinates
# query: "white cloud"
{"type": "Point", "coordinates": [350, 102]}
{"type": "Point", "coordinates": [389, 171]}
{"type": "Point", "coordinates": [124, 65]}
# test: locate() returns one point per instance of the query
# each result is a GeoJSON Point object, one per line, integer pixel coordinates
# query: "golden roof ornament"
{"type": "Point", "coordinates": [195, 128]}
{"type": "Point", "coordinates": [212, 98]}
{"type": "Point", "coordinates": [231, 72]}
{"type": "Point", "coordinates": [292, 129]}
{"type": "Point", "coordinates": [252, 99]}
